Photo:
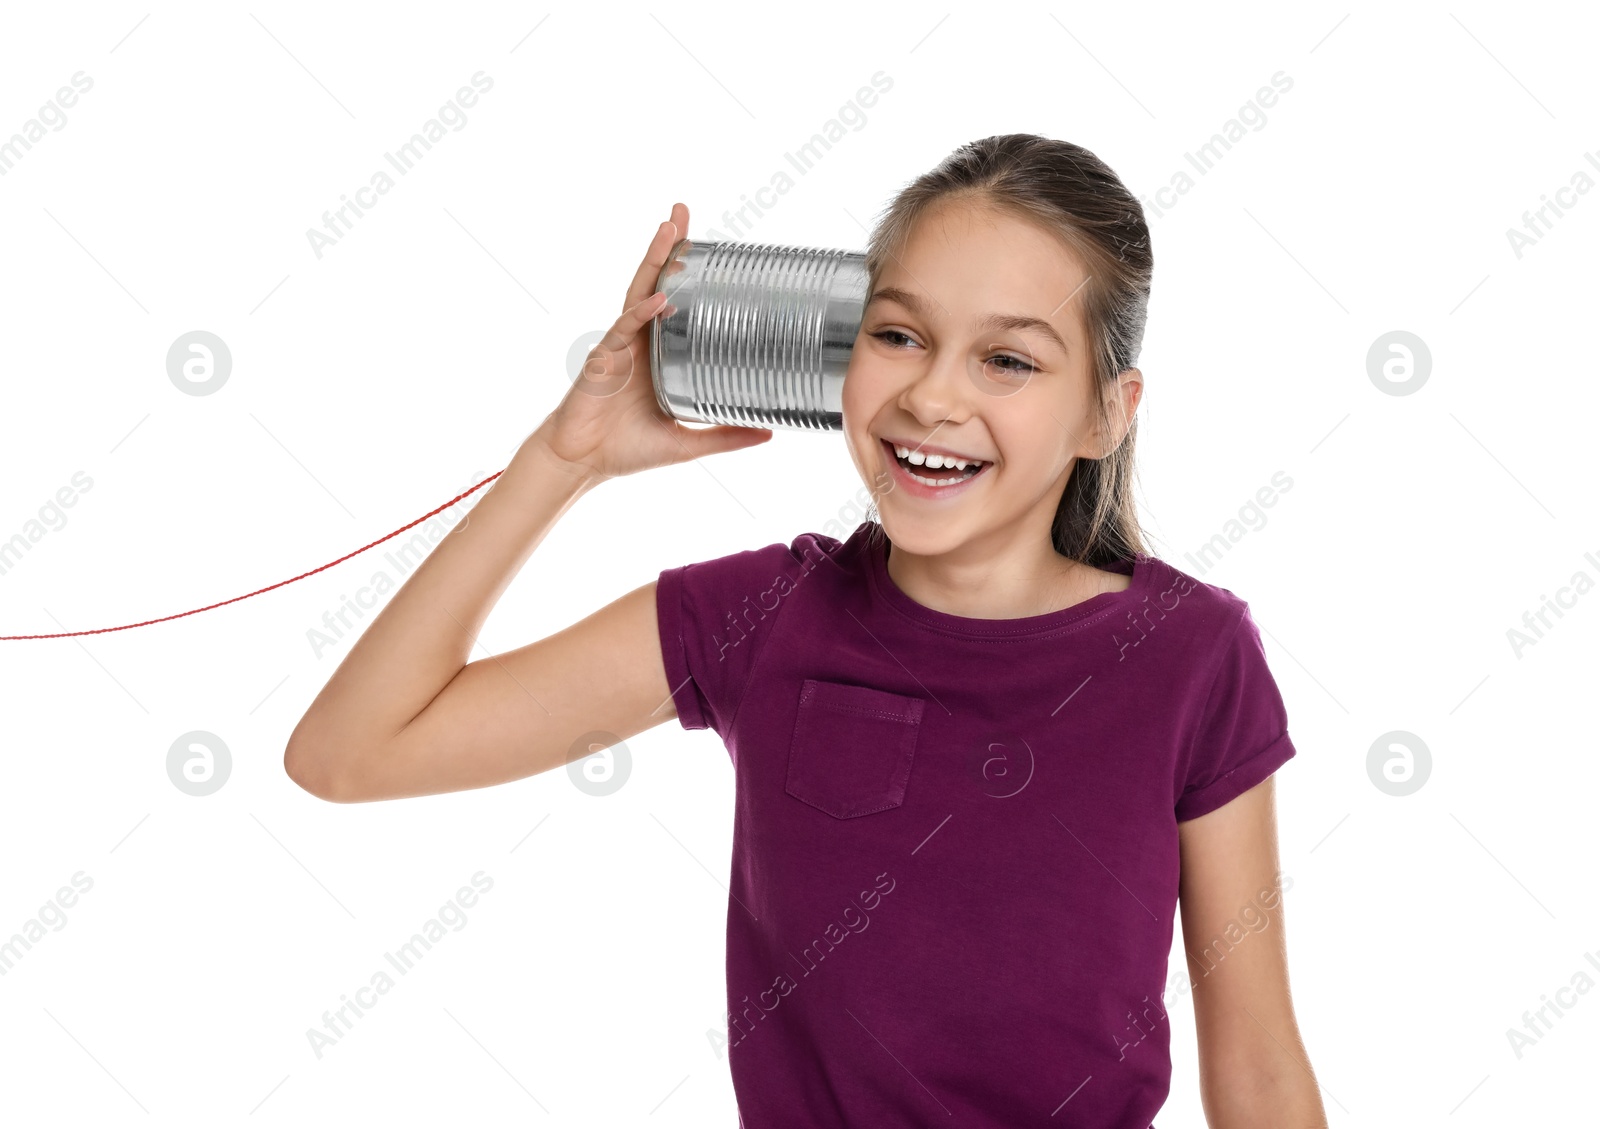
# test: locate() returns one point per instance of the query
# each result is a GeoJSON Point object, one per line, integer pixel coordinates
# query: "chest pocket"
{"type": "Point", "coordinates": [853, 748]}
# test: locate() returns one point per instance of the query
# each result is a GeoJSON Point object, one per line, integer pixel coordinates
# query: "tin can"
{"type": "Point", "coordinates": [761, 334]}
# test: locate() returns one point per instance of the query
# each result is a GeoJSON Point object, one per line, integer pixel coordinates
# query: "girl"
{"type": "Point", "coordinates": [983, 747]}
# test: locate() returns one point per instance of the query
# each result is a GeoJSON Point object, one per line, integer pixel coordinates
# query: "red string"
{"type": "Point", "coordinates": [280, 584]}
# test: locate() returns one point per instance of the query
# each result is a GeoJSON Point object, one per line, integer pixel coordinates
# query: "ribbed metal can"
{"type": "Point", "coordinates": [760, 336]}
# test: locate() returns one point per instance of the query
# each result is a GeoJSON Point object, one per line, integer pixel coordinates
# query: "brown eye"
{"type": "Point", "coordinates": [884, 335]}
{"type": "Point", "coordinates": [1022, 365]}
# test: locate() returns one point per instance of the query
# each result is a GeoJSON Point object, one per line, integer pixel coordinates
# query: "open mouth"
{"type": "Point", "coordinates": [934, 470]}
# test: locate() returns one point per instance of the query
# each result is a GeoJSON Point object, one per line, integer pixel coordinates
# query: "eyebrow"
{"type": "Point", "coordinates": [917, 305]}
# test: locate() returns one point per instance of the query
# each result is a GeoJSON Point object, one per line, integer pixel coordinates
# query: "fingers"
{"type": "Point", "coordinates": [655, 257]}
{"type": "Point", "coordinates": [612, 362]}
{"type": "Point", "coordinates": [622, 332]}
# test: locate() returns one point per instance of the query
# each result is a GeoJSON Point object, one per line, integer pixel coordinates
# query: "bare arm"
{"type": "Point", "coordinates": [1253, 1065]}
{"type": "Point", "coordinates": [405, 714]}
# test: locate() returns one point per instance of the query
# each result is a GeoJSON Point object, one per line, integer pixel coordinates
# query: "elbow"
{"type": "Point", "coordinates": [317, 773]}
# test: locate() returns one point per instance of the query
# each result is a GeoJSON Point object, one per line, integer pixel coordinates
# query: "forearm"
{"type": "Point", "coordinates": [1273, 1091]}
{"type": "Point", "coordinates": [424, 635]}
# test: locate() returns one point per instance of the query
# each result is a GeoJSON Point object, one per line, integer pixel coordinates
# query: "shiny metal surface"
{"type": "Point", "coordinates": [761, 335]}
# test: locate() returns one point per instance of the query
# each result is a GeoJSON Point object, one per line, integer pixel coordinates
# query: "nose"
{"type": "Point", "coordinates": [938, 394]}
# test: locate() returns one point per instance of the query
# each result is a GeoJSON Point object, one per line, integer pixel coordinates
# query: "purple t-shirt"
{"type": "Point", "coordinates": [955, 845]}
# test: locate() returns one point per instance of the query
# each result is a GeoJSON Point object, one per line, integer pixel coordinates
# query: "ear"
{"type": "Point", "coordinates": [1122, 402]}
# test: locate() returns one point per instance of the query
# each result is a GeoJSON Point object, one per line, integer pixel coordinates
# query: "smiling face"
{"type": "Point", "coordinates": [973, 344]}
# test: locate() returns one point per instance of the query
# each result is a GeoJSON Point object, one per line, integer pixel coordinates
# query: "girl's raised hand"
{"type": "Point", "coordinates": [609, 423]}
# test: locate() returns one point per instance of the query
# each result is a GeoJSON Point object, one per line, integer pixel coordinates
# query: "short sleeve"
{"type": "Point", "coordinates": [714, 618]}
{"type": "Point", "coordinates": [1242, 736]}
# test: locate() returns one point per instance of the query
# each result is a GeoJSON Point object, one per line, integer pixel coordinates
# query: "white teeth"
{"type": "Point", "coordinates": [916, 458]}
{"type": "Point", "coordinates": [934, 462]}
{"type": "Point", "coordinates": [938, 481]}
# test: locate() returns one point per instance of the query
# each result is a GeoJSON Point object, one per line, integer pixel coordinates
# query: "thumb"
{"type": "Point", "coordinates": [723, 437]}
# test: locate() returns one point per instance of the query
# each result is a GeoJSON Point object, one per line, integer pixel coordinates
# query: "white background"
{"type": "Point", "coordinates": [408, 362]}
